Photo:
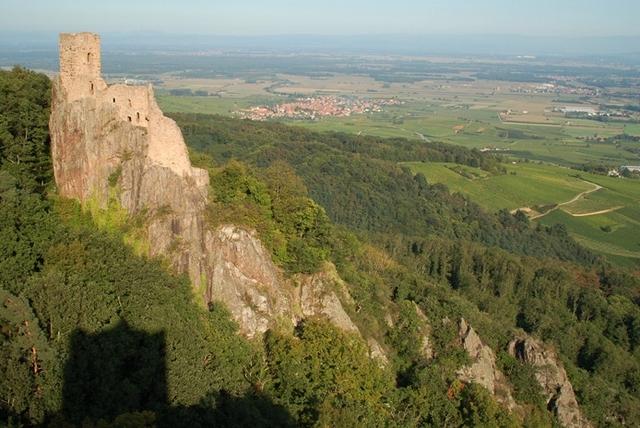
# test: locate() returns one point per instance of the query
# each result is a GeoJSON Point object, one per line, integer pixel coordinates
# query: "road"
{"type": "Point", "coordinates": [579, 196]}
{"type": "Point", "coordinates": [596, 212]}
{"type": "Point", "coordinates": [417, 134]}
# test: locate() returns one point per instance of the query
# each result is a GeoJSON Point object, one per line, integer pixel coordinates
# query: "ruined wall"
{"type": "Point", "coordinates": [132, 102]}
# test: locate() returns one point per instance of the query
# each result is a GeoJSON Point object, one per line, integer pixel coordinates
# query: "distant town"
{"type": "Point", "coordinates": [552, 88]}
{"type": "Point", "coordinates": [313, 108]}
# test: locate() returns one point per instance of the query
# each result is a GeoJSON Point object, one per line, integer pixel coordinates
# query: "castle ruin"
{"type": "Point", "coordinates": [113, 148]}
{"type": "Point", "coordinates": [80, 78]}
{"type": "Point", "coordinates": [113, 141]}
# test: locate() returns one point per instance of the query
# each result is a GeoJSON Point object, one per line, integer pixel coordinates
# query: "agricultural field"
{"type": "Point", "coordinates": [632, 129]}
{"type": "Point", "coordinates": [616, 234]}
{"type": "Point", "coordinates": [524, 185]}
{"type": "Point", "coordinates": [206, 105]}
{"type": "Point", "coordinates": [538, 143]}
{"type": "Point", "coordinates": [471, 114]}
{"type": "Point", "coordinates": [608, 220]}
{"type": "Point", "coordinates": [602, 213]}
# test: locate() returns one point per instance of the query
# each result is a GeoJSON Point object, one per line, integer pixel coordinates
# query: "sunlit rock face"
{"type": "Point", "coordinates": [483, 369]}
{"type": "Point", "coordinates": [553, 379]}
{"type": "Point", "coordinates": [105, 136]}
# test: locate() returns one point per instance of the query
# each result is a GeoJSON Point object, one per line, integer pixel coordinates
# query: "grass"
{"type": "Point", "coordinates": [468, 115]}
{"type": "Point", "coordinates": [557, 144]}
{"type": "Point", "coordinates": [469, 123]}
{"type": "Point", "coordinates": [632, 129]}
{"type": "Point", "coordinates": [208, 105]}
{"type": "Point", "coordinates": [615, 193]}
{"type": "Point", "coordinates": [615, 234]}
{"type": "Point", "coordinates": [524, 184]}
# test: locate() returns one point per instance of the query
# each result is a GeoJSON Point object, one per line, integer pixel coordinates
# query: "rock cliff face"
{"type": "Point", "coordinates": [103, 133]}
{"type": "Point", "coordinates": [483, 369]}
{"type": "Point", "coordinates": [242, 275]}
{"type": "Point", "coordinates": [426, 349]}
{"type": "Point", "coordinates": [553, 379]}
{"type": "Point", "coordinates": [113, 143]}
{"type": "Point", "coordinates": [318, 296]}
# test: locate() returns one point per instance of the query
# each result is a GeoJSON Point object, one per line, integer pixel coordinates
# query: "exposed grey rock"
{"type": "Point", "coordinates": [376, 352]}
{"type": "Point", "coordinates": [241, 274]}
{"type": "Point", "coordinates": [324, 294]}
{"type": "Point", "coordinates": [483, 370]}
{"type": "Point", "coordinates": [553, 379]}
{"type": "Point", "coordinates": [426, 348]}
{"type": "Point", "coordinates": [318, 296]}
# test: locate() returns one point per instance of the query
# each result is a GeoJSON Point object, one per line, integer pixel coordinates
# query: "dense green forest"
{"type": "Point", "coordinates": [92, 334]}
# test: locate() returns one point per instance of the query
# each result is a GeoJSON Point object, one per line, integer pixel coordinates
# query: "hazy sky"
{"type": "Point", "coordinates": [254, 17]}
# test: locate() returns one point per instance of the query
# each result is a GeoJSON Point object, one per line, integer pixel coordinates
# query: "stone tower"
{"type": "Point", "coordinates": [80, 71]}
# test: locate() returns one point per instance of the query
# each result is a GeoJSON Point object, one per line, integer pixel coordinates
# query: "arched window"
{"type": "Point", "coordinates": [138, 116]}
{"type": "Point", "coordinates": [114, 100]}
{"type": "Point", "coordinates": [88, 57]}
{"type": "Point", "coordinates": [91, 88]}
{"type": "Point", "coordinates": [129, 118]}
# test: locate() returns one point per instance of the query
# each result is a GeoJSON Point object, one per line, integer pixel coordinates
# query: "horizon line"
{"type": "Point", "coordinates": [298, 34]}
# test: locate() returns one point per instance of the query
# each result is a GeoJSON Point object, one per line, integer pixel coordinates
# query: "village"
{"type": "Point", "coordinates": [552, 88]}
{"type": "Point", "coordinates": [313, 108]}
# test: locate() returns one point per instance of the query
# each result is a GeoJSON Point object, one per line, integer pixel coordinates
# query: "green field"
{"type": "Point", "coordinates": [536, 138]}
{"type": "Point", "coordinates": [207, 105]}
{"type": "Point", "coordinates": [524, 184]}
{"type": "Point", "coordinates": [556, 141]}
{"type": "Point", "coordinates": [615, 234]}
{"type": "Point", "coordinates": [632, 129]}
{"type": "Point", "coordinates": [550, 143]}
{"type": "Point", "coordinates": [615, 194]}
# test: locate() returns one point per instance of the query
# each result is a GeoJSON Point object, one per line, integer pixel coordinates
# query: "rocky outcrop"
{"type": "Point", "coordinates": [553, 379]}
{"type": "Point", "coordinates": [426, 348]}
{"type": "Point", "coordinates": [241, 274]}
{"type": "Point", "coordinates": [318, 295]}
{"type": "Point", "coordinates": [116, 136]}
{"type": "Point", "coordinates": [483, 369]}
{"type": "Point", "coordinates": [112, 144]}
{"type": "Point", "coordinates": [376, 352]}
{"type": "Point", "coordinates": [324, 294]}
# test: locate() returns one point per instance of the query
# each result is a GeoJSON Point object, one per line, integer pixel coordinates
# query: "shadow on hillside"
{"type": "Point", "coordinates": [118, 378]}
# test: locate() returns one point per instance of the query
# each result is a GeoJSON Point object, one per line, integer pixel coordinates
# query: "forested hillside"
{"type": "Point", "coordinates": [514, 274]}
{"type": "Point", "coordinates": [93, 334]}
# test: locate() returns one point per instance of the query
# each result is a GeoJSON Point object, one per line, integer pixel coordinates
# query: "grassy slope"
{"type": "Point", "coordinates": [531, 185]}
{"type": "Point", "coordinates": [621, 244]}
